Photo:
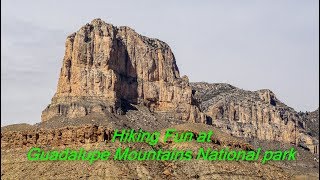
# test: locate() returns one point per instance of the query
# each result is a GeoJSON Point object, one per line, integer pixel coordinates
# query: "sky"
{"type": "Point", "coordinates": [251, 44]}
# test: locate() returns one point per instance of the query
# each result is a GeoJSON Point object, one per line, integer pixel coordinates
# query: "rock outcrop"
{"type": "Point", "coordinates": [74, 135]}
{"type": "Point", "coordinates": [105, 68]}
{"type": "Point", "coordinates": [257, 114]}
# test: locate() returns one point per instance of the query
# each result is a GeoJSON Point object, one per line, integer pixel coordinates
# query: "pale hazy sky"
{"type": "Point", "coordinates": [252, 44]}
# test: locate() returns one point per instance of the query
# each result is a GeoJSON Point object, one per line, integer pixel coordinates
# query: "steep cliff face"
{"type": "Point", "coordinates": [106, 67]}
{"type": "Point", "coordinates": [257, 114]}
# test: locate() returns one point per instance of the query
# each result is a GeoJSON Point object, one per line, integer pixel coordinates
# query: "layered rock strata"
{"type": "Point", "coordinates": [74, 135]}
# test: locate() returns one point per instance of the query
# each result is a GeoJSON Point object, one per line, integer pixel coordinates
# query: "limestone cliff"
{"type": "Point", "coordinates": [106, 67]}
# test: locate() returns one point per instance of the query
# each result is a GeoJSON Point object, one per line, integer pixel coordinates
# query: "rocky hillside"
{"type": "Point", "coordinates": [16, 166]}
{"type": "Point", "coordinates": [253, 114]}
{"type": "Point", "coordinates": [311, 120]}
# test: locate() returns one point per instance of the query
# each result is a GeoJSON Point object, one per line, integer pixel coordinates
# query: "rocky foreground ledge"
{"type": "Point", "coordinates": [90, 134]}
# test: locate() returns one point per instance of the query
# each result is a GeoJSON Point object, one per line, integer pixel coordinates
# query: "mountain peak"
{"type": "Point", "coordinates": [105, 67]}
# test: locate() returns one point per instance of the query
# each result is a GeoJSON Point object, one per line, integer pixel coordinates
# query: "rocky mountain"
{"type": "Point", "coordinates": [253, 114]}
{"type": "Point", "coordinates": [106, 67]}
{"type": "Point", "coordinates": [114, 78]}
